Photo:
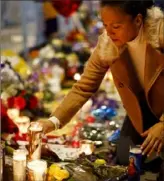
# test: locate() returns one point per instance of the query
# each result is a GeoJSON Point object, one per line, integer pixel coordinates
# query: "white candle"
{"type": "Point", "coordinates": [37, 170]}
{"type": "Point", "coordinates": [87, 148]}
{"type": "Point", "coordinates": [19, 165]}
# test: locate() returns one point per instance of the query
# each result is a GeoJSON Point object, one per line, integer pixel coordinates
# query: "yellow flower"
{"type": "Point", "coordinates": [100, 162]}
{"type": "Point", "coordinates": [61, 174]}
{"type": "Point", "coordinates": [18, 63]}
{"type": "Point", "coordinates": [58, 173]}
{"type": "Point", "coordinates": [39, 95]}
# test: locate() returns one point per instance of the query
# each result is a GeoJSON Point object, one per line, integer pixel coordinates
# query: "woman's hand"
{"type": "Point", "coordinates": [154, 139]}
{"type": "Point", "coordinates": [48, 126]}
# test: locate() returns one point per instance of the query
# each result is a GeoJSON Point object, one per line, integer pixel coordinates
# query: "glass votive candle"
{"type": "Point", "coordinates": [35, 133]}
{"type": "Point", "coordinates": [19, 165]}
{"type": "Point", "coordinates": [135, 159]}
{"type": "Point", "coordinates": [37, 170]}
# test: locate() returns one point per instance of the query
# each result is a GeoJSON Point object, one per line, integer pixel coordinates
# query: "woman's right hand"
{"type": "Point", "coordinates": [48, 126]}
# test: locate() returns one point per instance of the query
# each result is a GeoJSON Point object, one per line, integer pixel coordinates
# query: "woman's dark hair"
{"type": "Point", "coordinates": [131, 7]}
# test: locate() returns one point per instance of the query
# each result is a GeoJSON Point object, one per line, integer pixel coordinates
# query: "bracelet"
{"type": "Point", "coordinates": [55, 121]}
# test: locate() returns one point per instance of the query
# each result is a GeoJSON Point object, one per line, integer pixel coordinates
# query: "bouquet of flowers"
{"type": "Point", "coordinates": [18, 100]}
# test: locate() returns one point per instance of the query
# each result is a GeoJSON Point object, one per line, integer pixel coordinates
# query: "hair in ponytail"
{"type": "Point", "coordinates": [130, 7]}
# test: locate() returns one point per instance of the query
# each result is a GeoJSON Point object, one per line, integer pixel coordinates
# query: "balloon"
{"type": "Point", "coordinates": [113, 104]}
{"type": "Point", "coordinates": [66, 7]}
{"type": "Point", "coordinates": [115, 136]}
{"type": "Point", "coordinates": [110, 113]}
{"type": "Point", "coordinates": [104, 113]}
{"type": "Point", "coordinates": [99, 114]}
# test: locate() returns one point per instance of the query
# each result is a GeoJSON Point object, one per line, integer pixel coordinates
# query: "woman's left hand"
{"type": "Point", "coordinates": [153, 141]}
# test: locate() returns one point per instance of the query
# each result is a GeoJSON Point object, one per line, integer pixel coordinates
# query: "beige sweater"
{"type": "Point", "coordinates": [137, 50]}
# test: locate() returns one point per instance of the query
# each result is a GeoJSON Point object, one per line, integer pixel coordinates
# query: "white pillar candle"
{"type": "Point", "coordinates": [37, 170]}
{"type": "Point", "coordinates": [19, 165]}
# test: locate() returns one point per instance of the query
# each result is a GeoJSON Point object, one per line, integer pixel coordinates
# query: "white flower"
{"type": "Point", "coordinates": [5, 96]}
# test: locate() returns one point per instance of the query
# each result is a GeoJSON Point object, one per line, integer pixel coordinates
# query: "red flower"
{"type": "Point", "coordinates": [19, 102]}
{"type": "Point", "coordinates": [3, 109]}
{"type": "Point", "coordinates": [23, 92]}
{"type": "Point", "coordinates": [10, 102]}
{"type": "Point", "coordinates": [20, 137]}
{"type": "Point", "coordinates": [11, 127]}
{"type": "Point", "coordinates": [8, 126]}
{"type": "Point", "coordinates": [33, 102]}
{"type": "Point", "coordinates": [75, 144]}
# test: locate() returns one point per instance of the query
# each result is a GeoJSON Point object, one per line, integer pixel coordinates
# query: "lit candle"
{"type": "Point", "coordinates": [36, 170]}
{"type": "Point", "coordinates": [77, 76]}
{"type": "Point", "coordinates": [19, 165]}
{"type": "Point", "coordinates": [87, 148]}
